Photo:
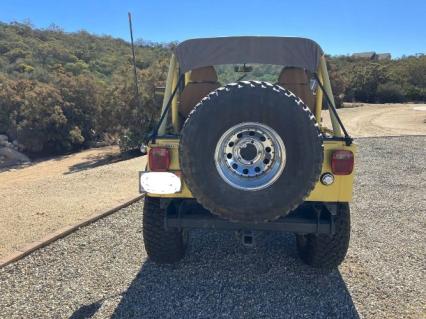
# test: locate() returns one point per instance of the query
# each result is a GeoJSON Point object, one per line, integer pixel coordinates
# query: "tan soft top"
{"type": "Point", "coordinates": [286, 51]}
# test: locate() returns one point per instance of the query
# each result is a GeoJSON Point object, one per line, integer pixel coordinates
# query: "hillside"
{"type": "Point", "coordinates": [387, 81]}
{"type": "Point", "coordinates": [63, 91]}
{"type": "Point", "coordinates": [35, 53]}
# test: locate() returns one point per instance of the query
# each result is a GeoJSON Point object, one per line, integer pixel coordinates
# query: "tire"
{"type": "Point", "coordinates": [256, 103]}
{"type": "Point", "coordinates": [325, 251]}
{"type": "Point", "coordinates": [162, 246]}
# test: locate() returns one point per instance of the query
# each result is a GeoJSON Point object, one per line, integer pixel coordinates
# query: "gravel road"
{"type": "Point", "coordinates": [101, 270]}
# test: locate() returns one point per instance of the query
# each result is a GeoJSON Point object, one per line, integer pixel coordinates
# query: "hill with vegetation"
{"type": "Point", "coordinates": [386, 81]}
{"type": "Point", "coordinates": [62, 91]}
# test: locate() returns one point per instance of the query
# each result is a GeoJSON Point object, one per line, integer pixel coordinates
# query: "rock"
{"type": "Point", "coordinates": [3, 142]}
{"type": "Point", "coordinates": [17, 146]}
{"type": "Point", "coordinates": [8, 144]}
{"type": "Point", "coordinates": [13, 155]}
{"type": "Point", "coordinates": [3, 138]}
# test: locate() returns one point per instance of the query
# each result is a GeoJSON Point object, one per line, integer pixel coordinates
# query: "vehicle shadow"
{"type": "Point", "coordinates": [100, 160]}
{"type": "Point", "coordinates": [220, 278]}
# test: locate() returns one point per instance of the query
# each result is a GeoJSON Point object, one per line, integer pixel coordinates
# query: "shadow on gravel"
{"type": "Point", "coordinates": [100, 160]}
{"type": "Point", "coordinates": [221, 278]}
{"type": "Point", "coordinates": [86, 311]}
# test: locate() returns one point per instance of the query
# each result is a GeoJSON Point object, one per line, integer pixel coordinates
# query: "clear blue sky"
{"type": "Point", "coordinates": [348, 26]}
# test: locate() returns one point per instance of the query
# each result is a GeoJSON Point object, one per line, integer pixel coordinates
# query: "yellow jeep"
{"type": "Point", "coordinates": [249, 155]}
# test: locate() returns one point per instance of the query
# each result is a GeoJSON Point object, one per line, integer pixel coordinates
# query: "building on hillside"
{"type": "Point", "coordinates": [383, 56]}
{"type": "Point", "coordinates": [372, 56]}
{"type": "Point", "coordinates": [364, 55]}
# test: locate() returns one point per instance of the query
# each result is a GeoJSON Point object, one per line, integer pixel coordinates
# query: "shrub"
{"type": "Point", "coordinates": [389, 92]}
{"type": "Point", "coordinates": [414, 93]}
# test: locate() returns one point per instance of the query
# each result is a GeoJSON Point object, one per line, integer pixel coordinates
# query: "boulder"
{"type": "Point", "coordinates": [17, 146]}
{"type": "Point", "coordinates": [7, 144]}
{"type": "Point", "coordinates": [3, 141]}
{"type": "Point", "coordinates": [13, 155]}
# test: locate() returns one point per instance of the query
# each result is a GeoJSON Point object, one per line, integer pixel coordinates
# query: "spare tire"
{"type": "Point", "coordinates": [251, 151]}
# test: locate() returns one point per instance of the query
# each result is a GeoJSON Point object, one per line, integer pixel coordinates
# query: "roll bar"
{"type": "Point", "coordinates": [174, 81]}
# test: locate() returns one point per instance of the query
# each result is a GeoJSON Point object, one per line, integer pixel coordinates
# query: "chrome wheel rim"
{"type": "Point", "coordinates": [250, 156]}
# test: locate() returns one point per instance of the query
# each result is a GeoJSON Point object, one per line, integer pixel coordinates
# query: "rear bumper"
{"type": "Point", "coordinates": [306, 219]}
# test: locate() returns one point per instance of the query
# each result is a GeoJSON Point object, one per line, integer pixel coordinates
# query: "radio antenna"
{"type": "Point", "coordinates": [134, 60]}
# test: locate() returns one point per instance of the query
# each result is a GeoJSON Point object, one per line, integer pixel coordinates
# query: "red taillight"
{"type": "Point", "coordinates": [159, 159]}
{"type": "Point", "coordinates": [342, 162]}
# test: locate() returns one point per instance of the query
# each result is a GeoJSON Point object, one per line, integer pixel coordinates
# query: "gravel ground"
{"type": "Point", "coordinates": [101, 270]}
{"type": "Point", "coordinates": [40, 199]}
{"type": "Point", "coordinates": [55, 193]}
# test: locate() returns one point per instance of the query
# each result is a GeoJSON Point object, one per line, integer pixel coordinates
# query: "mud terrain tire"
{"type": "Point", "coordinates": [325, 251]}
{"type": "Point", "coordinates": [162, 246]}
{"type": "Point", "coordinates": [251, 102]}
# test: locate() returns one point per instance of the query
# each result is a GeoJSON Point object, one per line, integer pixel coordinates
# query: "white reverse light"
{"type": "Point", "coordinates": [160, 182]}
{"type": "Point", "coordinates": [327, 179]}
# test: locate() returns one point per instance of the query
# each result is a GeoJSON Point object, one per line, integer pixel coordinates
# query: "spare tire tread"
{"type": "Point", "coordinates": [190, 131]}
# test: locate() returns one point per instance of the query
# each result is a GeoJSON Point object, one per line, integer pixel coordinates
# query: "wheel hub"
{"type": "Point", "coordinates": [248, 152]}
{"type": "Point", "coordinates": [250, 156]}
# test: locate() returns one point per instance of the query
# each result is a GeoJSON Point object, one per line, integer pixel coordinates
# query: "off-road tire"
{"type": "Point", "coordinates": [162, 246]}
{"type": "Point", "coordinates": [327, 251]}
{"type": "Point", "coordinates": [251, 101]}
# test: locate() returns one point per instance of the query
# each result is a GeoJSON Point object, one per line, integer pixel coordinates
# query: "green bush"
{"type": "Point", "coordinates": [60, 92]}
{"type": "Point", "coordinates": [389, 93]}
{"type": "Point", "coordinates": [414, 93]}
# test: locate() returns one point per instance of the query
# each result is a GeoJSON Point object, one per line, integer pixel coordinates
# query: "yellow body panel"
{"type": "Point", "coordinates": [339, 191]}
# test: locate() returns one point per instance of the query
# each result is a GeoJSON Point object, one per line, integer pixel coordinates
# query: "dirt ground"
{"type": "Point", "coordinates": [44, 197]}
{"type": "Point", "coordinates": [383, 119]}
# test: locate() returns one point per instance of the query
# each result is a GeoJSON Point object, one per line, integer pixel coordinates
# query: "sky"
{"type": "Point", "coordinates": [340, 27]}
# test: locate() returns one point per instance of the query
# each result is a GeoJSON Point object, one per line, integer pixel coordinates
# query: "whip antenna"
{"type": "Point", "coordinates": [134, 60]}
